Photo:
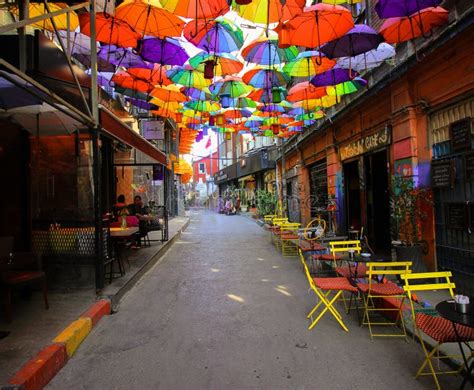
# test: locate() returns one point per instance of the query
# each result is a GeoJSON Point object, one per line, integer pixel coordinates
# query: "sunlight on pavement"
{"type": "Point", "coordinates": [284, 292]}
{"type": "Point", "coordinates": [215, 270]}
{"type": "Point", "coordinates": [260, 259]}
{"type": "Point", "coordinates": [264, 280]}
{"type": "Point", "coordinates": [236, 298]}
{"type": "Point", "coordinates": [275, 266]}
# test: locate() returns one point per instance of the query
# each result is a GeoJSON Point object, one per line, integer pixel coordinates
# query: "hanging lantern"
{"type": "Point", "coordinates": [228, 136]}
{"type": "Point", "coordinates": [276, 95]}
{"type": "Point", "coordinates": [275, 129]}
{"type": "Point", "coordinates": [209, 69]}
{"type": "Point", "coordinates": [242, 2]}
{"type": "Point", "coordinates": [179, 117]}
{"type": "Point", "coordinates": [219, 120]}
{"type": "Point", "coordinates": [211, 121]}
{"type": "Point", "coordinates": [226, 101]}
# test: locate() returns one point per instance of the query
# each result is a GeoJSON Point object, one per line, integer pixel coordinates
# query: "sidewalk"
{"type": "Point", "coordinates": [33, 327]}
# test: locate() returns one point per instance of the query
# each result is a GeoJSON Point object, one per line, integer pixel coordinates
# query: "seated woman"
{"type": "Point", "coordinates": [138, 210]}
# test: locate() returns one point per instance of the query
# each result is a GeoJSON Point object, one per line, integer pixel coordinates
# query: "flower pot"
{"type": "Point", "coordinates": [411, 253]}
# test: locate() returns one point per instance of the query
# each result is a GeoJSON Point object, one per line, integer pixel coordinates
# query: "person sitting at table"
{"type": "Point", "coordinates": [119, 206]}
{"type": "Point", "coordinates": [140, 211]}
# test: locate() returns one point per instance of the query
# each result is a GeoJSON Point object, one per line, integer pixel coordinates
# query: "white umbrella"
{"type": "Point", "coordinates": [368, 60]}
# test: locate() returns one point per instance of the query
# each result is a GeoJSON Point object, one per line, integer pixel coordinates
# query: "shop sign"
{"type": "Point", "coordinates": [456, 216]}
{"type": "Point", "coordinates": [366, 144]}
{"type": "Point", "coordinates": [460, 133]}
{"type": "Point", "coordinates": [469, 166]}
{"type": "Point", "coordinates": [221, 176]}
{"type": "Point", "coordinates": [153, 130]}
{"type": "Point", "coordinates": [443, 174]}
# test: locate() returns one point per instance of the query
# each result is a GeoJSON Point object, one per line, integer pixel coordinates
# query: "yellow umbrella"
{"type": "Point", "coordinates": [171, 106]}
{"type": "Point", "coordinates": [37, 9]}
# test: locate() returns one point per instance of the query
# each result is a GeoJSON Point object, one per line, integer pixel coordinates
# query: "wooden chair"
{"type": "Point", "coordinates": [23, 269]}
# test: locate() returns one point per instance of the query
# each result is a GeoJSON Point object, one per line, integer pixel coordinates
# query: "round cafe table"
{"type": "Point", "coordinates": [446, 310]}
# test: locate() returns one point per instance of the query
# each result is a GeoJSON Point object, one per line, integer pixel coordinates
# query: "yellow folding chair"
{"type": "Point", "coordinates": [374, 290]}
{"type": "Point", "coordinates": [275, 229]}
{"type": "Point", "coordinates": [323, 287]}
{"type": "Point", "coordinates": [437, 328]}
{"type": "Point", "coordinates": [289, 238]}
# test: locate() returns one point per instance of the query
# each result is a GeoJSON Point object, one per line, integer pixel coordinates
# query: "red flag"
{"type": "Point", "coordinates": [208, 143]}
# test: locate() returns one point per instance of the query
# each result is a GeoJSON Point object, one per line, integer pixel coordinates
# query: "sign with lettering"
{"type": "Point", "coordinates": [460, 133]}
{"type": "Point", "coordinates": [153, 130]}
{"type": "Point", "coordinates": [469, 166]}
{"type": "Point", "coordinates": [455, 216]}
{"type": "Point", "coordinates": [366, 144]}
{"type": "Point", "coordinates": [442, 173]}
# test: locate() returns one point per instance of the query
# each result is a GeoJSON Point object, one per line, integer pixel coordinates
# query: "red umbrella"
{"type": "Point", "coordinates": [396, 30]}
{"type": "Point", "coordinates": [305, 91]}
{"type": "Point", "coordinates": [155, 76]}
{"type": "Point", "coordinates": [126, 80]}
{"type": "Point", "coordinates": [110, 30]}
{"type": "Point", "coordinates": [196, 9]}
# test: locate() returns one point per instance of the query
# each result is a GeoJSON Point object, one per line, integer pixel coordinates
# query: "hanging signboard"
{"type": "Point", "coordinates": [460, 132]}
{"type": "Point", "coordinates": [455, 216]}
{"type": "Point", "coordinates": [443, 174]}
{"type": "Point", "coordinates": [366, 144]}
{"type": "Point", "coordinates": [469, 166]}
{"type": "Point", "coordinates": [153, 130]}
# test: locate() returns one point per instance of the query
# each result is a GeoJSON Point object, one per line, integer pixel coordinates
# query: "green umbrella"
{"type": "Point", "coordinates": [202, 105]}
{"type": "Point", "coordinates": [346, 87]}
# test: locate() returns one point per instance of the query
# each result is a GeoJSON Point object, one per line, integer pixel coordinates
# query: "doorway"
{"type": "Point", "coordinates": [378, 201]}
{"type": "Point", "coordinates": [352, 195]}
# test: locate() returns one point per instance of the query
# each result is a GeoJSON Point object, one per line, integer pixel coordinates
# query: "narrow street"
{"type": "Point", "coordinates": [224, 310]}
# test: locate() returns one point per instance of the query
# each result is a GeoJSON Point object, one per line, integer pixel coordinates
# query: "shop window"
{"type": "Point", "coordinates": [318, 187]}
{"type": "Point", "coordinates": [202, 168]}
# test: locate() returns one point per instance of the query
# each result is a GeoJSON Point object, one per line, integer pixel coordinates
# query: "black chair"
{"type": "Point", "coordinates": [112, 253]}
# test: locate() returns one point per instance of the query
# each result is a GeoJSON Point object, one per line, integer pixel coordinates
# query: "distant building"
{"type": "Point", "coordinates": [203, 169]}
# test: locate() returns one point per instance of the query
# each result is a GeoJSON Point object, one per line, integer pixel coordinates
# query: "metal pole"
{"type": "Point", "coordinates": [94, 89]}
{"type": "Point", "coordinates": [24, 13]}
{"type": "Point", "coordinates": [99, 237]}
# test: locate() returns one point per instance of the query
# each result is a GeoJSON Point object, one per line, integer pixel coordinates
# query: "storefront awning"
{"type": "Point", "coordinates": [117, 128]}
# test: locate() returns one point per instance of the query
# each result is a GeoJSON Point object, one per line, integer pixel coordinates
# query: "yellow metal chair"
{"type": "Point", "coordinates": [377, 288]}
{"type": "Point", "coordinates": [289, 239]}
{"type": "Point", "coordinates": [323, 288]}
{"type": "Point", "coordinates": [438, 328]}
{"type": "Point", "coordinates": [275, 228]}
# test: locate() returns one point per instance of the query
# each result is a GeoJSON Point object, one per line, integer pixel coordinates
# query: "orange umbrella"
{"type": "Point", "coordinates": [319, 24]}
{"type": "Point", "coordinates": [110, 30]}
{"type": "Point", "coordinates": [155, 76]}
{"type": "Point", "coordinates": [164, 113]}
{"type": "Point", "coordinates": [149, 20]}
{"type": "Point", "coordinates": [196, 9]}
{"type": "Point", "coordinates": [305, 91]}
{"type": "Point", "coordinates": [125, 80]}
{"type": "Point", "coordinates": [169, 94]}
{"type": "Point", "coordinates": [396, 30]}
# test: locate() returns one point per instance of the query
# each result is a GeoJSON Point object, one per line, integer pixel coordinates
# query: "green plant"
{"type": "Point", "coordinates": [406, 209]}
{"type": "Point", "coordinates": [265, 202]}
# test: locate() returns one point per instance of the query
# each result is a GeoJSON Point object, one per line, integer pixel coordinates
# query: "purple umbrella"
{"type": "Point", "coordinates": [143, 104]}
{"type": "Point", "coordinates": [102, 65]}
{"type": "Point", "coordinates": [358, 40]}
{"type": "Point", "coordinates": [399, 8]}
{"type": "Point", "coordinates": [333, 77]}
{"type": "Point", "coordinates": [12, 96]}
{"type": "Point", "coordinates": [119, 56]}
{"type": "Point", "coordinates": [162, 51]}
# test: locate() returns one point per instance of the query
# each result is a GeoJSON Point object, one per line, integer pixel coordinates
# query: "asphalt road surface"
{"type": "Point", "coordinates": [224, 310]}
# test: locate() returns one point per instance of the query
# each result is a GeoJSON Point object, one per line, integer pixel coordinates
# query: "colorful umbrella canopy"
{"type": "Point", "coordinates": [265, 78]}
{"type": "Point", "coordinates": [167, 105]}
{"type": "Point", "coordinates": [308, 63]}
{"type": "Point", "coordinates": [78, 43]}
{"type": "Point", "coordinates": [196, 9]}
{"type": "Point", "coordinates": [272, 108]}
{"type": "Point", "coordinates": [231, 87]}
{"type": "Point", "coordinates": [222, 64]}
{"type": "Point", "coordinates": [155, 75]}
{"type": "Point", "coordinates": [369, 60]}
{"type": "Point", "coordinates": [315, 26]}
{"type": "Point", "coordinates": [149, 19]}
{"type": "Point", "coordinates": [243, 102]}
{"type": "Point", "coordinates": [265, 51]}
{"type": "Point", "coordinates": [187, 77]}
{"type": "Point", "coordinates": [110, 30]}
{"type": "Point", "coordinates": [396, 8]}
{"type": "Point", "coordinates": [236, 114]}
{"type": "Point", "coordinates": [119, 56]}
{"type": "Point", "coordinates": [305, 91]}
{"type": "Point", "coordinates": [102, 64]}
{"type": "Point", "coordinates": [125, 80]}
{"type": "Point", "coordinates": [132, 93]}
{"type": "Point", "coordinates": [346, 87]}
{"type": "Point", "coordinates": [396, 30]}
{"type": "Point", "coordinates": [269, 11]}
{"type": "Point", "coordinates": [170, 93]}
{"type": "Point", "coordinates": [196, 94]}
{"type": "Point", "coordinates": [214, 36]}
{"type": "Point", "coordinates": [338, 2]}
{"type": "Point", "coordinates": [202, 105]}
{"type": "Point", "coordinates": [359, 39]}
{"type": "Point", "coordinates": [38, 9]}
{"type": "Point", "coordinates": [333, 77]}
{"type": "Point", "coordinates": [266, 95]}
{"type": "Point", "coordinates": [162, 51]}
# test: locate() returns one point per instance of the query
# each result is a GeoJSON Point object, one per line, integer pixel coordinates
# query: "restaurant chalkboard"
{"type": "Point", "coordinates": [456, 216]}
{"type": "Point", "coordinates": [442, 173]}
{"type": "Point", "coordinates": [460, 133]}
{"type": "Point", "coordinates": [469, 166]}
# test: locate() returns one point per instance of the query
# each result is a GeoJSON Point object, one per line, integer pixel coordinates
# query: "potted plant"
{"type": "Point", "coordinates": [266, 202]}
{"type": "Point", "coordinates": [406, 214]}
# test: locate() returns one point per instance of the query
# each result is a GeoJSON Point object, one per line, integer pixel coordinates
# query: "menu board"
{"type": "Point", "coordinates": [469, 166]}
{"type": "Point", "coordinates": [461, 134]}
{"type": "Point", "coordinates": [442, 173]}
{"type": "Point", "coordinates": [456, 216]}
